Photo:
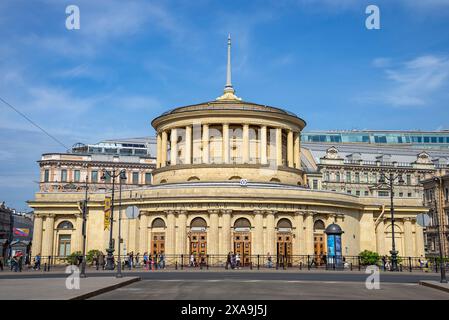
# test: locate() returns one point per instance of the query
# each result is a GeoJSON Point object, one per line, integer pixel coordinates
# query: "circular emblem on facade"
{"type": "Point", "coordinates": [243, 182]}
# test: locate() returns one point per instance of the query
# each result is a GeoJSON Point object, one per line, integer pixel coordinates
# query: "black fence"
{"type": "Point", "coordinates": [251, 262]}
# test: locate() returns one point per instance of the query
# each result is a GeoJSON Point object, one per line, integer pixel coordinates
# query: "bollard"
{"type": "Point", "coordinates": [258, 262]}
{"type": "Point", "coordinates": [308, 262]}
{"type": "Point", "coordinates": [358, 261]}
{"type": "Point", "coordinates": [410, 263]}
{"type": "Point", "coordinates": [207, 262]}
{"type": "Point", "coordinates": [45, 266]}
{"type": "Point", "coordinates": [300, 265]}
{"type": "Point", "coordinates": [176, 265]}
{"type": "Point", "coordinates": [351, 266]}
{"type": "Point", "coordinates": [49, 263]}
{"type": "Point", "coordinates": [182, 261]}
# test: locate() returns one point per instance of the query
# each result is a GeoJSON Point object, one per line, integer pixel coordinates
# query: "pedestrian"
{"type": "Point", "coordinates": [37, 262]}
{"type": "Point", "coordinates": [96, 262]}
{"type": "Point", "coordinates": [101, 261]}
{"type": "Point", "coordinates": [20, 262]}
{"type": "Point", "coordinates": [145, 260]}
{"type": "Point", "coordinates": [192, 260]}
{"type": "Point", "coordinates": [233, 261]}
{"type": "Point", "coordinates": [1, 263]}
{"type": "Point", "coordinates": [228, 261]}
{"type": "Point", "coordinates": [269, 261]}
{"type": "Point", "coordinates": [384, 263]}
{"type": "Point", "coordinates": [137, 259]}
{"type": "Point", "coordinates": [237, 261]}
{"type": "Point", "coordinates": [162, 261]}
{"type": "Point", "coordinates": [131, 260]}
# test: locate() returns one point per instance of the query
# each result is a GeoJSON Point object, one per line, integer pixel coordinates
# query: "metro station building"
{"type": "Point", "coordinates": [229, 176]}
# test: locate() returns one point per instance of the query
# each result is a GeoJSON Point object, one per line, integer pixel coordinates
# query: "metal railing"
{"type": "Point", "coordinates": [253, 262]}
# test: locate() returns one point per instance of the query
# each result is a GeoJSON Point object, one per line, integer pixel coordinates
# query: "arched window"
{"type": "Point", "coordinates": [65, 225]}
{"type": "Point", "coordinates": [198, 223]}
{"type": "Point", "coordinates": [318, 226]}
{"type": "Point", "coordinates": [284, 223]}
{"type": "Point", "coordinates": [235, 178]}
{"type": "Point", "coordinates": [275, 180]}
{"type": "Point", "coordinates": [158, 223]}
{"type": "Point", "coordinates": [163, 181]}
{"type": "Point", "coordinates": [194, 178]}
{"type": "Point", "coordinates": [242, 223]}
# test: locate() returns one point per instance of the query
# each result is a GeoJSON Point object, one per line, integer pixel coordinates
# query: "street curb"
{"type": "Point", "coordinates": [105, 289]}
{"type": "Point", "coordinates": [434, 285]}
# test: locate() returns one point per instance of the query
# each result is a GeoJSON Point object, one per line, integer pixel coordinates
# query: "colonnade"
{"type": "Point", "coordinates": [167, 145]}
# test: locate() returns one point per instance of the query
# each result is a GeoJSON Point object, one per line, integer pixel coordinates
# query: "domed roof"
{"type": "Point", "coordinates": [333, 229]}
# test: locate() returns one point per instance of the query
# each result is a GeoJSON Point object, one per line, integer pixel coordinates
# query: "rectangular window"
{"type": "Point", "coordinates": [366, 177]}
{"type": "Point", "coordinates": [409, 179]}
{"type": "Point", "coordinates": [337, 176]}
{"type": "Point", "coordinates": [63, 175]}
{"type": "Point", "coordinates": [77, 176]}
{"type": "Point", "coordinates": [357, 177]}
{"type": "Point", "coordinates": [383, 193]}
{"type": "Point", "coordinates": [135, 178]}
{"type": "Point", "coordinates": [46, 175]}
{"type": "Point", "coordinates": [433, 139]}
{"type": "Point", "coordinates": [366, 193]}
{"type": "Point", "coordinates": [148, 178]}
{"type": "Point", "coordinates": [315, 184]}
{"type": "Point", "coordinates": [357, 193]}
{"type": "Point", "coordinates": [107, 176]}
{"type": "Point", "coordinates": [401, 194]}
{"type": "Point", "coordinates": [348, 191]}
{"type": "Point", "coordinates": [426, 139]}
{"type": "Point", "coordinates": [409, 194]}
{"type": "Point", "coordinates": [348, 177]}
{"type": "Point", "coordinates": [94, 176]}
{"type": "Point", "coordinates": [64, 245]}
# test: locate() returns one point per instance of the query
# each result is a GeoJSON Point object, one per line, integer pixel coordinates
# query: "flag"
{"type": "Point", "coordinates": [21, 232]}
{"type": "Point", "coordinates": [107, 213]}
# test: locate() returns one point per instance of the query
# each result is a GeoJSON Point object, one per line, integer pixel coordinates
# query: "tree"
{"type": "Point", "coordinates": [369, 257]}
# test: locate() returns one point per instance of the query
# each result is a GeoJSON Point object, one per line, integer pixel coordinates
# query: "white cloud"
{"type": "Point", "coordinates": [414, 82]}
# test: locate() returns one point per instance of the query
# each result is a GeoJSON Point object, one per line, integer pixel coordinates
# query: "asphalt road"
{"type": "Point", "coordinates": [239, 289]}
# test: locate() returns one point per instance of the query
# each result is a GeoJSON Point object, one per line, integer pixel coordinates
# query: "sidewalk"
{"type": "Point", "coordinates": [55, 288]}
{"type": "Point", "coordinates": [436, 285]}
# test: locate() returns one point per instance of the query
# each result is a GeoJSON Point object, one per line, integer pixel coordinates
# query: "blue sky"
{"type": "Point", "coordinates": [132, 60]}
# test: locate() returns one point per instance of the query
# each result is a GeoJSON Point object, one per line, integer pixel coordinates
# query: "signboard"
{"type": "Point", "coordinates": [107, 213]}
{"type": "Point", "coordinates": [21, 232]}
{"type": "Point", "coordinates": [423, 220]}
{"type": "Point", "coordinates": [132, 212]}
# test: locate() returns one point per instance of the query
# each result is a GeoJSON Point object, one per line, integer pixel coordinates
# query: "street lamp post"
{"type": "Point", "coordinates": [389, 181]}
{"type": "Point", "coordinates": [122, 175]}
{"type": "Point", "coordinates": [83, 264]}
{"type": "Point", "coordinates": [438, 207]}
{"type": "Point", "coordinates": [110, 250]}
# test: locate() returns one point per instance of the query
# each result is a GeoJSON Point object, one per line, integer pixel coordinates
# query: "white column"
{"type": "Point", "coordinates": [419, 237]}
{"type": "Point", "coordinates": [263, 145]}
{"type": "Point", "coordinates": [380, 237]}
{"type": "Point", "coordinates": [290, 148]}
{"type": "Point", "coordinates": [143, 233]}
{"type": "Point", "coordinates": [300, 240]}
{"type": "Point", "coordinates": [212, 234]}
{"type": "Point", "coordinates": [205, 143]}
{"type": "Point", "coordinates": [173, 146]}
{"type": "Point", "coordinates": [258, 234]}
{"type": "Point", "coordinates": [245, 147]}
{"type": "Point", "coordinates": [188, 154]}
{"type": "Point", "coordinates": [158, 150]}
{"type": "Point", "coordinates": [225, 140]}
{"type": "Point", "coordinates": [47, 249]}
{"type": "Point", "coordinates": [37, 234]}
{"type": "Point", "coordinates": [164, 149]}
{"type": "Point", "coordinates": [408, 237]}
{"type": "Point", "coordinates": [309, 234]}
{"type": "Point", "coordinates": [227, 230]}
{"type": "Point", "coordinates": [171, 233]}
{"type": "Point", "coordinates": [278, 146]}
{"type": "Point", "coordinates": [182, 233]}
{"type": "Point", "coordinates": [271, 233]}
{"type": "Point", "coordinates": [297, 151]}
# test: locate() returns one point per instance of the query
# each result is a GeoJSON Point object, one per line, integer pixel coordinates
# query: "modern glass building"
{"type": "Point", "coordinates": [420, 139]}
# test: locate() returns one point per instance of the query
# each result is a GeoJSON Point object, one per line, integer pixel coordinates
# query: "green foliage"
{"type": "Point", "coordinates": [369, 257]}
{"type": "Point", "coordinates": [73, 257]}
{"type": "Point", "coordinates": [91, 255]}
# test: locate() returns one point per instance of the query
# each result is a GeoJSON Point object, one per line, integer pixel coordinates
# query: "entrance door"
{"type": "Point", "coordinates": [319, 247]}
{"type": "Point", "coordinates": [284, 249]}
{"type": "Point", "coordinates": [158, 243]}
{"type": "Point", "coordinates": [242, 246]}
{"type": "Point", "coordinates": [198, 243]}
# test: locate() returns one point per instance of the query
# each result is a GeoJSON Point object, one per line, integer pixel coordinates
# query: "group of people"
{"type": "Point", "coordinates": [150, 262]}
{"type": "Point", "coordinates": [233, 261]}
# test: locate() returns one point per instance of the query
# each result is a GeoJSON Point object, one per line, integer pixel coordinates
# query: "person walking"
{"type": "Point", "coordinates": [192, 260]}
{"type": "Point", "coordinates": [131, 260]}
{"type": "Point", "coordinates": [228, 261]}
{"type": "Point", "coordinates": [37, 262]}
{"type": "Point", "coordinates": [233, 261]}
{"type": "Point", "coordinates": [101, 261]}
{"type": "Point", "coordinates": [162, 261]}
{"type": "Point", "coordinates": [137, 259]}
{"type": "Point", "coordinates": [384, 263]}
{"type": "Point", "coordinates": [237, 261]}
{"type": "Point", "coordinates": [269, 261]}
{"type": "Point", "coordinates": [145, 260]}
{"type": "Point", "coordinates": [1, 263]}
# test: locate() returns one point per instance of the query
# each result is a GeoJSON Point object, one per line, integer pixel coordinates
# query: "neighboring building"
{"type": "Point", "coordinates": [68, 171]}
{"type": "Point", "coordinates": [6, 225]}
{"type": "Point", "coordinates": [231, 176]}
{"type": "Point", "coordinates": [406, 139]}
{"type": "Point", "coordinates": [436, 196]}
